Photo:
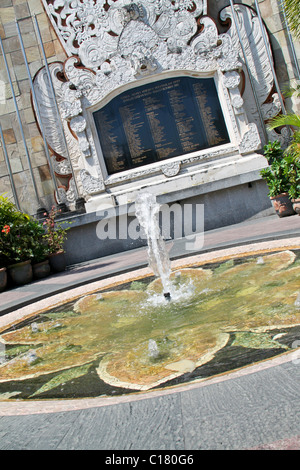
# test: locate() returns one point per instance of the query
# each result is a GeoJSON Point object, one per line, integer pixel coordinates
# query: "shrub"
{"type": "Point", "coordinates": [20, 234]}
{"type": "Point", "coordinates": [56, 233]}
{"type": "Point", "coordinates": [276, 175]}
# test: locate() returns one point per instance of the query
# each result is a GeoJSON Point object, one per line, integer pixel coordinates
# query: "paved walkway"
{"type": "Point", "coordinates": [256, 407]}
{"type": "Point", "coordinates": [262, 229]}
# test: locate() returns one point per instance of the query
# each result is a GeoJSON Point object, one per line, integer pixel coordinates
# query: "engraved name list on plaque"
{"type": "Point", "coordinates": [160, 120]}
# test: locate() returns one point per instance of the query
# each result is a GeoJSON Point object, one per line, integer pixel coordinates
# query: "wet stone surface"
{"type": "Point", "coordinates": [220, 318]}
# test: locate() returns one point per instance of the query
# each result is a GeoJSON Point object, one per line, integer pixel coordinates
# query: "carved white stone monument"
{"type": "Point", "coordinates": [118, 48]}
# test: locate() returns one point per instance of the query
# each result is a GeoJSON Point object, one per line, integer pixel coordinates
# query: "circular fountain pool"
{"type": "Point", "coordinates": [221, 316]}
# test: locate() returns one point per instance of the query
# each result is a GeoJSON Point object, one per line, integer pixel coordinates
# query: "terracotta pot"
{"type": "Point", "coordinates": [20, 273]}
{"type": "Point", "coordinates": [3, 279]}
{"type": "Point", "coordinates": [41, 270]}
{"type": "Point", "coordinates": [57, 262]}
{"type": "Point", "coordinates": [282, 205]}
{"type": "Point", "coordinates": [296, 205]}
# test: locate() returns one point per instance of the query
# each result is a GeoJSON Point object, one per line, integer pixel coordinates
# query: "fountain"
{"type": "Point", "coordinates": [154, 333]}
{"type": "Point", "coordinates": [153, 350]}
{"type": "Point", "coordinates": [147, 210]}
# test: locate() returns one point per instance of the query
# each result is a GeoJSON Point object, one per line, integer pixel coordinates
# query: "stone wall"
{"type": "Point", "coordinates": [23, 10]}
{"type": "Point", "coordinates": [10, 10]}
{"type": "Point", "coordinates": [274, 20]}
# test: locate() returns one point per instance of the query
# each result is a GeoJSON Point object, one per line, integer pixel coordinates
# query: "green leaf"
{"type": "Point", "coordinates": [285, 120]}
{"type": "Point", "coordinates": [292, 10]}
{"type": "Point", "coordinates": [224, 266]}
{"type": "Point", "coordinates": [65, 376]}
{"type": "Point", "coordinates": [248, 339]}
{"type": "Point", "coordinates": [137, 285]}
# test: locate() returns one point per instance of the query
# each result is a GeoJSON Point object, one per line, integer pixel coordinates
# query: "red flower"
{"type": "Point", "coordinates": [6, 229]}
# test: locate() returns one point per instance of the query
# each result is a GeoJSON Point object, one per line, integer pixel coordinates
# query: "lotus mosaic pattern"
{"type": "Point", "coordinates": [249, 298]}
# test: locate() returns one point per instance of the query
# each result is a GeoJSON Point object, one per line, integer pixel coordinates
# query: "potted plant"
{"type": "Point", "coordinates": [277, 179]}
{"type": "Point", "coordinates": [292, 120]}
{"type": "Point", "coordinates": [19, 237]}
{"type": "Point", "coordinates": [293, 173]}
{"type": "Point", "coordinates": [4, 207]}
{"type": "Point", "coordinates": [3, 274]}
{"type": "Point", "coordinates": [13, 245]}
{"type": "Point", "coordinates": [17, 252]}
{"type": "Point", "coordinates": [55, 236]}
{"type": "Point", "coordinates": [40, 261]}
{"type": "Point", "coordinates": [3, 279]}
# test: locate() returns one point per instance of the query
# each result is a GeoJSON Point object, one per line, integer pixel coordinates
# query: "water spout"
{"type": "Point", "coordinates": [153, 350]}
{"type": "Point", "coordinates": [147, 210]}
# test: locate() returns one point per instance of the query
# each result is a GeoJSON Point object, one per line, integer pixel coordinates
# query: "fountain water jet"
{"type": "Point", "coordinates": [147, 210]}
{"type": "Point", "coordinates": [134, 339]}
{"type": "Point", "coordinates": [153, 350]}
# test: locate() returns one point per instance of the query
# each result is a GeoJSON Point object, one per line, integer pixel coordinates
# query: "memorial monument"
{"type": "Point", "coordinates": [155, 94]}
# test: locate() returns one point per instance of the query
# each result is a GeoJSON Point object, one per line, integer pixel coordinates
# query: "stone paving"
{"type": "Point", "coordinates": [264, 229]}
{"type": "Point", "coordinates": [253, 408]}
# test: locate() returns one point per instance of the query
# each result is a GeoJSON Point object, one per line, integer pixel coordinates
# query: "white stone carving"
{"type": "Point", "coordinates": [90, 184]}
{"type": "Point", "coordinates": [130, 40]}
{"type": "Point", "coordinates": [232, 79]}
{"type": "Point", "coordinates": [61, 195]}
{"type": "Point", "coordinates": [185, 161]}
{"type": "Point", "coordinates": [254, 47]}
{"type": "Point", "coordinates": [62, 167]}
{"type": "Point", "coordinates": [171, 169]}
{"type": "Point", "coordinates": [251, 139]}
{"type": "Point", "coordinates": [250, 136]}
{"type": "Point", "coordinates": [113, 43]}
{"type": "Point", "coordinates": [67, 195]}
{"type": "Point", "coordinates": [142, 52]}
{"type": "Point", "coordinates": [71, 192]}
{"type": "Point", "coordinates": [69, 105]}
{"type": "Point", "coordinates": [257, 59]}
{"type": "Point", "coordinates": [54, 130]}
{"type": "Point", "coordinates": [92, 29]}
{"type": "Point", "coordinates": [78, 126]}
{"type": "Point", "coordinates": [271, 108]}
{"type": "Point", "coordinates": [48, 113]}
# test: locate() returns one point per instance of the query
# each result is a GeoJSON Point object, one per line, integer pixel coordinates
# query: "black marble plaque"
{"type": "Point", "coordinates": [160, 120]}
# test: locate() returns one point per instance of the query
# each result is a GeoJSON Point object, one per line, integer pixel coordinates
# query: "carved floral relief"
{"type": "Point", "coordinates": [113, 43]}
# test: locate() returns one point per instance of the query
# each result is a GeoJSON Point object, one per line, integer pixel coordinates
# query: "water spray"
{"type": "Point", "coordinates": [147, 209]}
